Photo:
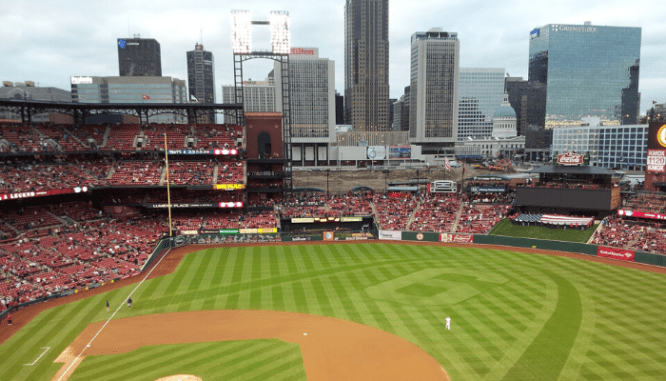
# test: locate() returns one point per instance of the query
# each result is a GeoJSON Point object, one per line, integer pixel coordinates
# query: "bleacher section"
{"type": "Point", "coordinates": [481, 218]}
{"type": "Point", "coordinates": [393, 213]}
{"type": "Point", "coordinates": [436, 213]}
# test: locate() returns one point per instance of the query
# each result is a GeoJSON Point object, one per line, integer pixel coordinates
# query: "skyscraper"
{"type": "Point", "coordinates": [139, 57]}
{"type": "Point", "coordinates": [201, 78]}
{"type": "Point", "coordinates": [258, 96]}
{"type": "Point", "coordinates": [480, 94]}
{"type": "Point", "coordinates": [516, 87]}
{"type": "Point", "coordinates": [433, 92]}
{"type": "Point", "coordinates": [367, 65]}
{"type": "Point", "coordinates": [312, 82]}
{"type": "Point", "coordinates": [580, 72]}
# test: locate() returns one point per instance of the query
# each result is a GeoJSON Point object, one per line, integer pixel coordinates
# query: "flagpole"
{"type": "Point", "coordinates": [166, 159]}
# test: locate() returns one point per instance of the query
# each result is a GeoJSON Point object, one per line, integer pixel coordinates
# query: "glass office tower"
{"type": "Point", "coordinates": [581, 72]}
{"type": "Point", "coordinates": [480, 94]}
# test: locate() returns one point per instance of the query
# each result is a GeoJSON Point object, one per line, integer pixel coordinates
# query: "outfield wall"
{"type": "Point", "coordinates": [532, 243]}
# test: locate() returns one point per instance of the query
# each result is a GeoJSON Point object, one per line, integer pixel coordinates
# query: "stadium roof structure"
{"type": "Point", "coordinates": [572, 170]}
{"type": "Point", "coordinates": [79, 111]}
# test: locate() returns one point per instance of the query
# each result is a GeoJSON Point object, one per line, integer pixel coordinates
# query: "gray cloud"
{"type": "Point", "coordinates": [49, 41]}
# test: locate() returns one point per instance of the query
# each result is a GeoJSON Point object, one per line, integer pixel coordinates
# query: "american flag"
{"type": "Point", "coordinates": [447, 165]}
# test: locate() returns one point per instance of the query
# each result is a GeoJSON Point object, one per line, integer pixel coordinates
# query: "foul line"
{"type": "Point", "coordinates": [112, 315]}
{"type": "Point", "coordinates": [40, 356]}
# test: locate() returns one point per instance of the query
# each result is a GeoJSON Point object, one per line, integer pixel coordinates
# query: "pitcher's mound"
{"type": "Point", "coordinates": [180, 377]}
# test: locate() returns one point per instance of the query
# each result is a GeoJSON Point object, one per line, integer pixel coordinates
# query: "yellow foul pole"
{"type": "Point", "coordinates": [166, 159]}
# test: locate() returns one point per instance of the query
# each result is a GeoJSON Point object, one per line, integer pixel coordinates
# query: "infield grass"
{"type": "Point", "coordinates": [506, 228]}
{"type": "Point", "coordinates": [516, 316]}
{"type": "Point", "coordinates": [251, 360]}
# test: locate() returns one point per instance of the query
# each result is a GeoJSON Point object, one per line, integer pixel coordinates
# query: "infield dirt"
{"type": "Point", "coordinates": [333, 349]}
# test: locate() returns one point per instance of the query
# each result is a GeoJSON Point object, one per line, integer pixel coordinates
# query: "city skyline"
{"type": "Point", "coordinates": [48, 44]}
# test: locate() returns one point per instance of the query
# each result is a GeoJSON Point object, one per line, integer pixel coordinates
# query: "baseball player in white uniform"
{"type": "Point", "coordinates": [448, 323]}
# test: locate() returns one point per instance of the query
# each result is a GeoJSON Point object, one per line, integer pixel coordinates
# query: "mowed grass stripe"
{"type": "Point", "coordinates": [215, 360]}
{"type": "Point", "coordinates": [48, 334]}
{"type": "Point", "coordinates": [290, 367]}
{"type": "Point", "coordinates": [278, 360]}
{"type": "Point", "coordinates": [318, 301]}
{"type": "Point", "coordinates": [246, 265]}
{"type": "Point", "coordinates": [273, 260]}
{"type": "Point", "coordinates": [60, 336]}
{"type": "Point", "coordinates": [339, 283]}
{"type": "Point", "coordinates": [138, 362]}
{"type": "Point", "coordinates": [191, 280]}
{"type": "Point", "coordinates": [164, 295]}
{"type": "Point", "coordinates": [237, 366]}
{"type": "Point", "coordinates": [265, 264]}
{"type": "Point", "coordinates": [303, 261]}
{"type": "Point", "coordinates": [201, 295]}
{"type": "Point", "coordinates": [549, 351]}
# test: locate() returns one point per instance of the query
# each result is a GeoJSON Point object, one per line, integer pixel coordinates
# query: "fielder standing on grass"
{"type": "Point", "coordinates": [107, 306]}
{"type": "Point", "coordinates": [129, 302]}
{"type": "Point", "coordinates": [448, 323]}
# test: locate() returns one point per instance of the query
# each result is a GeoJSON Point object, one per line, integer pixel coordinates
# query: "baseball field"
{"type": "Point", "coordinates": [297, 312]}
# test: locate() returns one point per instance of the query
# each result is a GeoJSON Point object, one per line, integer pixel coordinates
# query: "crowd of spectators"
{"type": "Point", "coordinates": [191, 173]}
{"type": "Point", "coordinates": [136, 173]}
{"type": "Point", "coordinates": [436, 213]}
{"type": "Point", "coordinates": [619, 233]}
{"type": "Point", "coordinates": [49, 137]}
{"type": "Point", "coordinates": [393, 212]}
{"type": "Point", "coordinates": [481, 218]}
{"type": "Point", "coordinates": [349, 205]}
{"type": "Point", "coordinates": [92, 250]}
{"type": "Point", "coordinates": [646, 202]}
{"type": "Point", "coordinates": [18, 178]}
{"type": "Point", "coordinates": [230, 172]}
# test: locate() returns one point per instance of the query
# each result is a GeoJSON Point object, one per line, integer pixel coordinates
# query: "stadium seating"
{"type": "Point", "coordinates": [436, 213]}
{"type": "Point", "coordinates": [393, 213]}
{"type": "Point", "coordinates": [122, 138]}
{"type": "Point", "coordinates": [136, 173]}
{"type": "Point", "coordinates": [230, 172]}
{"type": "Point", "coordinates": [481, 218]}
{"type": "Point", "coordinates": [153, 136]}
{"type": "Point", "coordinates": [216, 136]}
{"type": "Point", "coordinates": [191, 173]}
{"type": "Point", "coordinates": [62, 136]}
{"type": "Point", "coordinates": [618, 233]}
{"type": "Point", "coordinates": [349, 205]}
{"type": "Point", "coordinates": [38, 177]}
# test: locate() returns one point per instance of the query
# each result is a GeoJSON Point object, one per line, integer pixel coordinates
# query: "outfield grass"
{"type": "Point", "coordinates": [506, 228]}
{"type": "Point", "coordinates": [516, 316]}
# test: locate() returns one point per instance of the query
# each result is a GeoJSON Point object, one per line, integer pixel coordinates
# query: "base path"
{"type": "Point", "coordinates": [332, 349]}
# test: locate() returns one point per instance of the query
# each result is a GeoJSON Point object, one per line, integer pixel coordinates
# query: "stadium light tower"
{"type": "Point", "coordinates": [241, 32]}
{"type": "Point", "coordinates": [241, 38]}
{"type": "Point", "coordinates": [279, 21]}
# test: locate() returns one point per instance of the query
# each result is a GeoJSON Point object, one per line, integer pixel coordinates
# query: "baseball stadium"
{"type": "Point", "coordinates": [144, 251]}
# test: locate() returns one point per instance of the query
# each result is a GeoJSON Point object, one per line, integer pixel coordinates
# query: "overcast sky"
{"type": "Point", "coordinates": [48, 41]}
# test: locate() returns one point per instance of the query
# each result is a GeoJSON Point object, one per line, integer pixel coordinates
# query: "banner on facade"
{"type": "Point", "coordinates": [390, 235]}
{"type": "Point", "coordinates": [615, 253]}
{"type": "Point", "coordinates": [456, 238]}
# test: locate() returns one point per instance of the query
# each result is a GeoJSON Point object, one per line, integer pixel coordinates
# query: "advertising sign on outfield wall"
{"type": "Point", "coordinates": [611, 252]}
{"type": "Point", "coordinates": [460, 238]}
{"type": "Point", "coordinates": [390, 235]}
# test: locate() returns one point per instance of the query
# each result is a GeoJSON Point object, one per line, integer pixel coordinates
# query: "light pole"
{"type": "Point", "coordinates": [328, 171]}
